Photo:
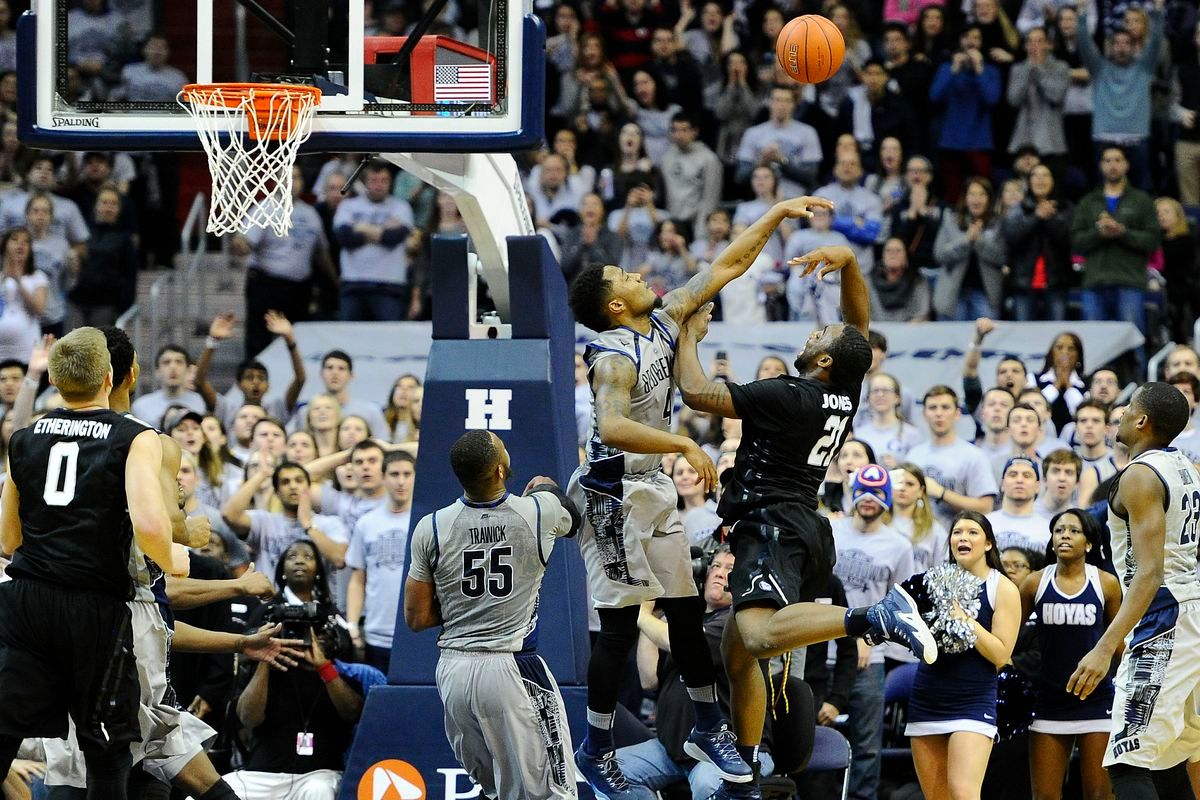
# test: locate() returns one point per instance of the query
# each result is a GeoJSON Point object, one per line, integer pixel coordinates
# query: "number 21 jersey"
{"type": "Point", "coordinates": [69, 468]}
{"type": "Point", "coordinates": [792, 428]}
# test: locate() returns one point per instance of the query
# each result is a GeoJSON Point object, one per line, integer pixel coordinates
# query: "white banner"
{"type": "Point", "coordinates": [919, 355]}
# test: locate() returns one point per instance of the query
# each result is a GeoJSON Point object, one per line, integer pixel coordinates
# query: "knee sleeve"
{"type": "Point", "coordinates": [108, 772]}
{"type": "Point", "coordinates": [689, 648]}
{"type": "Point", "coordinates": [1131, 783]}
{"type": "Point", "coordinates": [610, 651]}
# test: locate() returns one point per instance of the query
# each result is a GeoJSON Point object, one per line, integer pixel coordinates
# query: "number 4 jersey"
{"type": "Point", "coordinates": [486, 563]}
{"type": "Point", "coordinates": [792, 428]}
{"type": "Point", "coordinates": [1181, 485]}
{"type": "Point", "coordinates": [69, 469]}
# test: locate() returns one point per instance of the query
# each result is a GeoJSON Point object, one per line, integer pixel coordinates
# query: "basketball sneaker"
{"type": "Point", "coordinates": [603, 774]}
{"type": "Point", "coordinates": [719, 748]}
{"type": "Point", "coordinates": [895, 618]}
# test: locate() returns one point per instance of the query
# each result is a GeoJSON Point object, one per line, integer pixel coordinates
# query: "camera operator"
{"type": "Point", "coordinates": [302, 720]}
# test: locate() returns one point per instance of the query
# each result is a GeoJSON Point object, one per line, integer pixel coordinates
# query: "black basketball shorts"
{"type": "Point", "coordinates": [65, 651]}
{"type": "Point", "coordinates": [783, 554]}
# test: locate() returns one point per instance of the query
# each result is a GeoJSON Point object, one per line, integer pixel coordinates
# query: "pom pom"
{"type": "Point", "coordinates": [946, 584]}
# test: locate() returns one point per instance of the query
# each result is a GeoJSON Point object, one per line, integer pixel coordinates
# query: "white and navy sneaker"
{"type": "Point", "coordinates": [895, 618]}
{"type": "Point", "coordinates": [737, 791]}
{"type": "Point", "coordinates": [719, 748]}
{"type": "Point", "coordinates": [603, 774]}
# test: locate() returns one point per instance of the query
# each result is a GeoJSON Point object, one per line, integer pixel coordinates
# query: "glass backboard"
{"type": "Point", "coordinates": [423, 76]}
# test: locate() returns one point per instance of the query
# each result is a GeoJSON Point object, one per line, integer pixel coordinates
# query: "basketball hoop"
{"type": "Point", "coordinates": [251, 133]}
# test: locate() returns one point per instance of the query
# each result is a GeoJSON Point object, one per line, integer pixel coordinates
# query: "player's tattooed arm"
{"type": "Point", "coordinates": [698, 391]}
{"type": "Point", "coordinates": [1139, 499]}
{"type": "Point", "coordinates": [613, 379]}
{"type": "Point", "coordinates": [737, 257]}
{"type": "Point", "coordinates": [856, 298]}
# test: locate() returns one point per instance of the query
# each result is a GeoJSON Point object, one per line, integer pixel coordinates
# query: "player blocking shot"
{"type": "Point", "coordinates": [792, 428]}
{"type": "Point", "coordinates": [1153, 513]}
{"type": "Point", "coordinates": [632, 538]}
{"type": "Point", "coordinates": [476, 568]}
{"type": "Point", "coordinates": [83, 487]}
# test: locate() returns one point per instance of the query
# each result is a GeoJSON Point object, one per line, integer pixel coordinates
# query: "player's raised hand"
{"type": "Point", "coordinates": [255, 584]}
{"type": "Point", "coordinates": [222, 325]}
{"type": "Point", "coordinates": [278, 653]}
{"type": "Point", "coordinates": [1091, 670]}
{"type": "Point", "coordinates": [706, 470]}
{"type": "Point", "coordinates": [834, 259]}
{"type": "Point", "coordinates": [696, 327]}
{"type": "Point", "coordinates": [801, 207]}
{"type": "Point", "coordinates": [539, 480]}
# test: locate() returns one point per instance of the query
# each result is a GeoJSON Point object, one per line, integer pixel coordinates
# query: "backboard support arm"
{"type": "Point", "coordinates": [490, 196]}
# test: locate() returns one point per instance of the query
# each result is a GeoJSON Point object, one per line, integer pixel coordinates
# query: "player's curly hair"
{"type": "Point", "coordinates": [120, 351]}
{"type": "Point", "coordinates": [473, 457]}
{"type": "Point", "coordinates": [851, 355]}
{"type": "Point", "coordinates": [589, 293]}
{"type": "Point", "coordinates": [1166, 408]}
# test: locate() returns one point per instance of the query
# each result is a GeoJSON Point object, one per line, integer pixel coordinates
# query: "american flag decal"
{"type": "Point", "coordinates": [462, 83]}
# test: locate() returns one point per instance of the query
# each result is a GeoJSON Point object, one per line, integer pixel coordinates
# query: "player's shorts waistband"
{"type": "Point", "coordinates": [451, 653]}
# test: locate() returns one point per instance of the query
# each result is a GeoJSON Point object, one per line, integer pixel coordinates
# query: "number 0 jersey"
{"type": "Point", "coordinates": [69, 468]}
{"type": "Point", "coordinates": [652, 398]}
{"type": "Point", "coordinates": [486, 562]}
{"type": "Point", "coordinates": [1181, 485]}
{"type": "Point", "coordinates": [792, 428]}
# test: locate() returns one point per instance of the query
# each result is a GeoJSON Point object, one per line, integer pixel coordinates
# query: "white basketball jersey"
{"type": "Point", "coordinates": [652, 398]}
{"type": "Point", "coordinates": [1182, 485]}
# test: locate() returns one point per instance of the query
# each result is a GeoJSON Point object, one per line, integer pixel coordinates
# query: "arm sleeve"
{"type": "Point", "coordinates": [1089, 54]}
{"type": "Point", "coordinates": [420, 552]}
{"type": "Point", "coordinates": [560, 516]}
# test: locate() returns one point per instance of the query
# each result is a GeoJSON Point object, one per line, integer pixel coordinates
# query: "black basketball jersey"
{"type": "Point", "coordinates": [792, 428]}
{"type": "Point", "coordinates": [69, 468]}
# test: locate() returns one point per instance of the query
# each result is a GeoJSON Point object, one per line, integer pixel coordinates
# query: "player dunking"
{"type": "Point", "coordinates": [1153, 513]}
{"type": "Point", "coordinates": [476, 570]}
{"type": "Point", "coordinates": [632, 539]}
{"type": "Point", "coordinates": [65, 634]}
{"type": "Point", "coordinates": [792, 428]}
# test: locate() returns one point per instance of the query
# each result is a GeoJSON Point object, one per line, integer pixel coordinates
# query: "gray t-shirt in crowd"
{"type": "Point", "coordinates": [271, 534]}
{"type": "Point", "coordinates": [379, 545]}
{"type": "Point", "coordinates": [236, 553]}
{"type": "Point", "coordinates": [868, 564]}
{"type": "Point", "coordinates": [150, 408]}
{"type": "Point", "coordinates": [1030, 531]}
{"type": "Point", "coordinates": [960, 467]}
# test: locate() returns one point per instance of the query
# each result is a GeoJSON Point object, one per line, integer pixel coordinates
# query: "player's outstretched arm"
{"type": "Point", "coordinates": [613, 379]}
{"type": "Point", "coordinates": [143, 491]}
{"type": "Point", "coordinates": [698, 391]}
{"type": "Point", "coordinates": [737, 257]}
{"type": "Point", "coordinates": [1140, 497]}
{"type": "Point", "coordinates": [856, 299]}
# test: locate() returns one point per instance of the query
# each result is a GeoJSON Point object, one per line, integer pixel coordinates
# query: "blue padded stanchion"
{"type": "Point", "coordinates": [523, 390]}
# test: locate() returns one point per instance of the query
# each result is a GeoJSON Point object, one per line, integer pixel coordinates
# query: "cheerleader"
{"type": "Point", "coordinates": [1074, 602]}
{"type": "Point", "coordinates": [952, 708]}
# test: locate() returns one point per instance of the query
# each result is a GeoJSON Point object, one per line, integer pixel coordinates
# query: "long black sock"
{"type": "Point", "coordinates": [618, 635]}
{"type": "Point", "coordinates": [220, 791]}
{"type": "Point", "coordinates": [1173, 783]}
{"type": "Point", "coordinates": [690, 652]}
{"type": "Point", "coordinates": [1132, 783]}
{"type": "Point", "coordinates": [108, 772]}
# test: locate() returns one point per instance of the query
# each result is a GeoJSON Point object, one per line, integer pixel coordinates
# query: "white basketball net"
{"type": "Point", "coordinates": [251, 171]}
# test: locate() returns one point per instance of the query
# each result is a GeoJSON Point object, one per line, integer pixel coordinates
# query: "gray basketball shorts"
{"type": "Point", "coordinates": [170, 737]}
{"type": "Point", "coordinates": [507, 725]}
{"type": "Point", "coordinates": [632, 538]}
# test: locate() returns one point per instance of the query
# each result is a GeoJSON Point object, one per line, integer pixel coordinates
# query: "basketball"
{"type": "Point", "coordinates": [810, 48]}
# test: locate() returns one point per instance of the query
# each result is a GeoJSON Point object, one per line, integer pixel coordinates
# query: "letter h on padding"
{"type": "Point", "coordinates": [487, 409]}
